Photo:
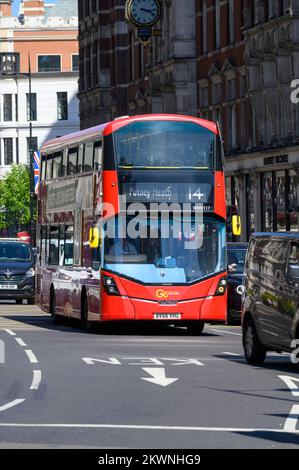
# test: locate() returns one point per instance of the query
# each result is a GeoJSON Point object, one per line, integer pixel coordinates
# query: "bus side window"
{"type": "Point", "coordinates": [88, 157]}
{"type": "Point", "coordinates": [57, 165]}
{"type": "Point", "coordinates": [64, 162]}
{"type": "Point", "coordinates": [61, 245]}
{"type": "Point", "coordinates": [69, 246]}
{"type": "Point", "coordinates": [72, 161]}
{"type": "Point", "coordinates": [80, 158]}
{"type": "Point", "coordinates": [54, 246]}
{"type": "Point", "coordinates": [49, 171]}
{"type": "Point", "coordinates": [44, 166]}
{"type": "Point", "coordinates": [98, 148]}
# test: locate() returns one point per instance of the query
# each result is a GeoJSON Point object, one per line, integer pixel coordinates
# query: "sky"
{"type": "Point", "coordinates": [16, 5]}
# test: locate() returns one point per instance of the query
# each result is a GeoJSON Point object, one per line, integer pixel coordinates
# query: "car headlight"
{"type": "Point", "coordinates": [31, 272]}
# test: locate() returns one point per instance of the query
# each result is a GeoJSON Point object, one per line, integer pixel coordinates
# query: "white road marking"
{"type": "Point", "coordinates": [21, 342]}
{"type": "Point", "coordinates": [37, 378]}
{"type": "Point", "coordinates": [226, 332]}
{"type": "Point", "coordinates": [291, 383]}
{"type": "Point", "coordinates": [11, 333]}
{"type": "Point", "coordinates": [158, 377]}
{"type": "Point", "coordinates": [92, 361]}
{"type": "Point", "coordinates": [292, 421]}
{"type": "Point", "coordinates": [148, 428]}
{"type": "Point", "coordinates": [31, 356]}
{"type": "Point", "coordinates": [11, 404]}
{"type": "Point", "coordinates": [231, 354]}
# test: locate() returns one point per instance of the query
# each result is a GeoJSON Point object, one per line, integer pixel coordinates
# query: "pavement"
{"type": "Point", "coordinates": [141, 387]}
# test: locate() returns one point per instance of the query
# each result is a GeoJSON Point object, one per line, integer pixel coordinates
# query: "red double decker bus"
{"type": "Point", "coordinates": [96, 262]}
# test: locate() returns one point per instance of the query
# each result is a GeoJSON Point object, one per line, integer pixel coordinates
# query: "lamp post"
{"type": "Point", "coordinates": [11, 70]}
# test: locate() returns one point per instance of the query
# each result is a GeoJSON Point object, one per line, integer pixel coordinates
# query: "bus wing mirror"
{"type": "Point", "coordinates": [236, 225]}
{"type": "Point", "coordinates": [94, 238]}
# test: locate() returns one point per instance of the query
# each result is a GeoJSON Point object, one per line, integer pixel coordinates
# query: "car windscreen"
{"type": "Point", "coordinates": [15, 252]}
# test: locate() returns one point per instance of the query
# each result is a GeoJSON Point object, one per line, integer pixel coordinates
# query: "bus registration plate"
{"type": "Point", "coordinates": [167, 316]}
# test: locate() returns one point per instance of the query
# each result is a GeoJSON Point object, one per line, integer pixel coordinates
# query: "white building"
{"type": "Point", "coordinates": [47, 37]}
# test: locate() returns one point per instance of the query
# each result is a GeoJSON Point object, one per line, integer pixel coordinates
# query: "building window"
{"type": "Point", "coordinates": [7, 107]}
{"type": "Point", "coordinates": [9, 62]}
{"type": "Point", "coordinates": [49, 63]}
{"type": "Point", "coordinates": [231, 90]}
{"type": "Point", "coordinates": [75, 63]}
{"type": "Point", "coordinates": [217, 92]}
{"type": "Point", "coordinates": [204, 96]}
{"type": "Point", "coordinates": [62, 106]}
{"type": "Point", "coordinates": [33, 116]}
{"type": "Point", "coordinates": [8, 151]}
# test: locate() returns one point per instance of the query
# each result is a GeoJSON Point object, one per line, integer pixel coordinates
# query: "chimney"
{"type": "Point", "coordinates": [33, 8]}
{"type": "Point", "coordinates": [6, 8]}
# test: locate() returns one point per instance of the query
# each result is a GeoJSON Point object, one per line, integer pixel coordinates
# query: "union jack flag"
{"type": "Point", "coordinates": [36, 157]}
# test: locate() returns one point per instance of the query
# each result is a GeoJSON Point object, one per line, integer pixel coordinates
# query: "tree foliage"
{"type": "Point", "coordinates": [15, 198]}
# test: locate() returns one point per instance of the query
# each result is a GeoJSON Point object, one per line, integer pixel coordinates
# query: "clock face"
{"type": "Point", "coordinates": [144, 12]}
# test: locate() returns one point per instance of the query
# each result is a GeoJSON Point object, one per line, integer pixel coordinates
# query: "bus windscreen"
{"type": "Point", "coordinates": [165, 144]}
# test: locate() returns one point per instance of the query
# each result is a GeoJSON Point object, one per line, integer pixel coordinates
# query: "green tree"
{"type": "Point", "coordinates": [15, 198]}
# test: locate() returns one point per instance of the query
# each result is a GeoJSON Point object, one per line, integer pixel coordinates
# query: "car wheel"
{"type": "Point", "coordinates": [195, 327]}
{"type": "Point", "coordinates": [31, 301]}
{"type": "Point", "coordinates": [53, 308]}
{"type": "Point", "coordinates": [255, 353]}
{"type": "Point", "coordinates": [19, 301]}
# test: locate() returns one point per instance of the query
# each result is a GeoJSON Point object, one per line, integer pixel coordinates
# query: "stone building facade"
{"type": "Point", "coordinates": [232, 61]}
{"type": "Point", "coordinates": [119, 76]}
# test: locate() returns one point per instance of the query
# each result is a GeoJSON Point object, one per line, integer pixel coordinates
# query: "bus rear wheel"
{"type": "Point", "coordinates": [85, 323]}
{"type": "Point", "coordinates": [195, 327]}
{"type": "Point", "coordinates": [53, 308]}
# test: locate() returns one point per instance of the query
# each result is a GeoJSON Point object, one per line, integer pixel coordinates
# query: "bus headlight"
{"type": "Point", "coordinates": [222, 287]}
{"type": "Point", "coordinates": [30, 273]}
{"type": "Point", "coordinates": [110, 286]}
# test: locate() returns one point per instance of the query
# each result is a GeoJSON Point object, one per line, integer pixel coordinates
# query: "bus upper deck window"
{"type": "Point", "coordinates": [49, 170]}
{"type": "Point", "coordinates": [44, 165]}
{"type": "Point", "coordinates": [64, 162]}
{"type": "Point", "coordinates": [98, 146]}
{"type": "Point", "coordinates": [72, 161]}
{"type": "Point", "coordinates": [88, 157]}
{"type": "Point", "coordinates": [80, 158]}
{"type": "Point", "coordinates": [57, 165]}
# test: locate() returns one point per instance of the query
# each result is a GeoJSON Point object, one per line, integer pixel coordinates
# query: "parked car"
{"type": "Point", "coordinates": [236, 254]}
{"type": "Point", "coordinates": [17, 271]}
{"type": "Point", "coordinates": [270, 308]}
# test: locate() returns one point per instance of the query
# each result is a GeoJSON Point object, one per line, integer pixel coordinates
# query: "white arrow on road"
{"type": "Point", "coordinates": [159, 377]}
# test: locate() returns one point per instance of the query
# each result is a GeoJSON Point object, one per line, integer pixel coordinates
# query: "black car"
{"type": "Point", "coordinates": [17, 271]}
{"type": "Point", "coordinates": [270, 307]}
{"type": "Point", "coordinates": [236, 254]}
